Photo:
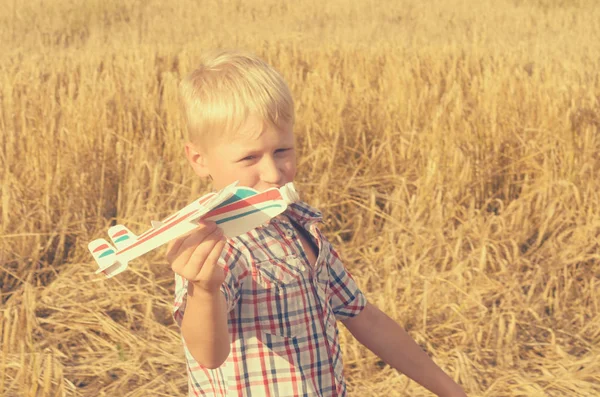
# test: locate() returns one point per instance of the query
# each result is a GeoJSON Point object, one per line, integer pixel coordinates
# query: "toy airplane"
{"type": "Point", "coordinates": [234, 209]}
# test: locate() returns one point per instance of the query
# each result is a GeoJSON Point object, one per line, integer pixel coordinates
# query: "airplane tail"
{"type": "Point", "coordinates": [121, 236]}
{"type": "Point", "coordinates": [105, 255]}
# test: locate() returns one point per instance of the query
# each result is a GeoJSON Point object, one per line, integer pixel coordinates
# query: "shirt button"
{"type": "Point", "coordinates": [289, 233]}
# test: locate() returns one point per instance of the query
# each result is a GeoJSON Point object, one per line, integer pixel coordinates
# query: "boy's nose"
{"type": "Point", "coordinates": [269, 172]}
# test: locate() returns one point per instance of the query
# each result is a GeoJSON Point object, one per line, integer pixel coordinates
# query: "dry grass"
{"type": "Point", "coordinates": [466, 134]}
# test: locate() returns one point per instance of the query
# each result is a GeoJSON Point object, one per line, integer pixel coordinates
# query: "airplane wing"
{"type": "Point", "coordinates": [248, 208]}
{"type": "Point", "coordinates": [236, 210]}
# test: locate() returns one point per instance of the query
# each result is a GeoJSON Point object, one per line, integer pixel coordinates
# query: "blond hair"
{"type": "Point", "coordinates": [225, 89]}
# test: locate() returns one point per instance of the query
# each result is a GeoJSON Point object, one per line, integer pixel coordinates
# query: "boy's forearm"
{"type": "Point", "coordinates": [204, 327]}
{"type": "Point", "coordinates": [388, 340]}
{"type": "Point", "coordinates": [416, 364]}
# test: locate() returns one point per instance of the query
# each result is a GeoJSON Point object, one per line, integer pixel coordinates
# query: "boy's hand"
{"type": "Point", "coordinates": [194, 256]}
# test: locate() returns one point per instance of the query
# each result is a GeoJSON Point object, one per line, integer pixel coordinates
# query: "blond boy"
{"type": "Point", "coordinates": [258, 313]}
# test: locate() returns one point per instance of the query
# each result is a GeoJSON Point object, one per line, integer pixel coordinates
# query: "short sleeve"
{"type": "Point", "coordinates": [234, 263]}
{"type": "Point", "coordinates": [346, 298]}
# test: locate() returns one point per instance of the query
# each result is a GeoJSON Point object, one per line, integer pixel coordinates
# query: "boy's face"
{"type": "Point", "coordinates": [260, 156]}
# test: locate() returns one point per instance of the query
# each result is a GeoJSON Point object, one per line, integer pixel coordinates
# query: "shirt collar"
{"type": "Point", "coordinates": [303, 213]}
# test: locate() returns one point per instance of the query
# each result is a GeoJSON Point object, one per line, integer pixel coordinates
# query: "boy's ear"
{"type": "Point", "coordinates": [197, 160]}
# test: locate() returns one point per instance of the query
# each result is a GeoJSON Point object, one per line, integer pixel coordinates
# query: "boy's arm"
{"type": "Point", "coordinates": [204, 327]}
{"type": "Point", "coordinates": [202, 314]}
{"type": "Point", "coordinates": [388, 340]}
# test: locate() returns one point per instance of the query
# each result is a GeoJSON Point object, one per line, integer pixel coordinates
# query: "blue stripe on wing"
{"type": "Point", "coordinates": [125, 237]}
{"type": "Point", "coordinates": [106, 253]}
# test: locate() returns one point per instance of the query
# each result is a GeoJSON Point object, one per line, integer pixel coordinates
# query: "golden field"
{"type": "Point", "coordinates": [453, 147]}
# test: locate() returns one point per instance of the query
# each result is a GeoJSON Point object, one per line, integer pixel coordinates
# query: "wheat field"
{"type": "Point", "coordinates": [453, 147]}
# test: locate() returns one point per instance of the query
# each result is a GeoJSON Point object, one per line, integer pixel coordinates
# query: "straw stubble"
{"type": "Point", "coordinates": [452, 146]}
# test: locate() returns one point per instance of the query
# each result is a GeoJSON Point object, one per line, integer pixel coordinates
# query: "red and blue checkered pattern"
{"type": "Point", "coordinates": [282, 314]}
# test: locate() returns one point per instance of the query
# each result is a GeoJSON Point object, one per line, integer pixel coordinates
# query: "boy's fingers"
{"type": "Point", "coordinates": [206, 223]}
{"type": "Point", "coordinates": [199, 256]}
{"type": "Point", "coordinates": [188, 245]}
{"type": "Point", "coordinates": [211, 270]}
{"type": "Point", "coordinates": [175, 245]}
{"type": "Point", "coordinates": [196, 236]}
{"type": "Point", "coordinates": [214, 255]}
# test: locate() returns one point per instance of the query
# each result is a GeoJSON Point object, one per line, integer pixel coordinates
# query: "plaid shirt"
{"type": "Point", "coordinates": [282, 314]}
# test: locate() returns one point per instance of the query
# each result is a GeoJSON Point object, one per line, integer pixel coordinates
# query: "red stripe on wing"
{"type": "Point", "coordinates": [258, 198]}
{"type": "Point", "coordinates": [169, 219]}
{"type": "Point", "coordinates": [120, 233]}
{"type": "Point", "coordinates": [159, 231]}
{"type": "Point", "coordinates": [100, 247]}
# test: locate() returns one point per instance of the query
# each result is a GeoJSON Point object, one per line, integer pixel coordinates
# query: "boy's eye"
{"type": "Point", "coordinates": [252, 157]}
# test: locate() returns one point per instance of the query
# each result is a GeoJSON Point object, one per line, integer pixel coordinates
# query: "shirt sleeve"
{"type": "Point", "coordinates": [233, 262]}
{"type": "Point", "coordinates": [346, 298]}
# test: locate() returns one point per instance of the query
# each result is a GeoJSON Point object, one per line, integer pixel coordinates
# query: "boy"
{"type": "Point", "coordinates": [258, 312]}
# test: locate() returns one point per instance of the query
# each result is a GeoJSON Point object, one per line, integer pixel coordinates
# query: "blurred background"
{"type": "Point", "coordinates": [453, 147]}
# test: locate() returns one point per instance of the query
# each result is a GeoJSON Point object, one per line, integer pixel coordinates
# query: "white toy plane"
{"type": "Point", "coordinates": [234, 209]}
